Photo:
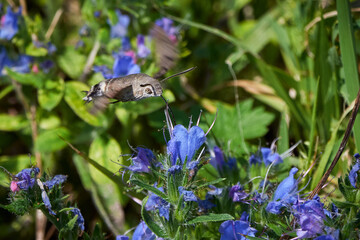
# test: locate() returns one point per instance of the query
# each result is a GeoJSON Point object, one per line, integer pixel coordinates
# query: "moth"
{"type": "Point", "coordinates": [138, 86]}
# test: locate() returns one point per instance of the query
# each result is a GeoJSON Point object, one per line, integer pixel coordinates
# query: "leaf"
{"type": "Point", "coordinates": [248, 124]}
{"type": "Point", "coordinates": [49, 140]}
{"type": "Point", "coordinates": [73, 98]}
{"type": "Point", "coordinates": [212, 217]}
{"type": "Point", "coordinates": [34, 51]}
{"type": "Point", "coordinates": [12, 123]}
{"type": "Point", "coordinates": [72, 62]}
{"type": "Point", "coordinates": [50, 95]}
{"type": "Point", "coordinates": [149, 188]}
{"type": "Point", "coordinates": [35, 80]}
{"type": "Point", "coordinates": [13, 164]}
{"type": "Point", "coordinates": [155, 228]}
{"type": "Point", "coordinates": [212, 182]}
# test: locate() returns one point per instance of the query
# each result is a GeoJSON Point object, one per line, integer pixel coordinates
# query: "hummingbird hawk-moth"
{"type": "Point", "coordinates": [138, 86]}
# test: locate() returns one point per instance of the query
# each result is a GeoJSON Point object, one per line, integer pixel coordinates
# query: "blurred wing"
{"type": "Point", "coordinates": [99, 105]}
{"type": "Point", "coordinates": [166, 52]}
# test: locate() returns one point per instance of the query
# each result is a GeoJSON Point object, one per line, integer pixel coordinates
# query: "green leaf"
{"type": "Point", "coordinates": [34, 51]}
{"type": "Point", "coordinates": [12, 123]}
{"type": "Point", "coordinates": [154, 227]}
{"type": "Point", "coordinates": [212, 182]}
{"type": "Point", "coordinates": [212, 217]}
{"type": "Point", "coordinates": [348, 58]}
{"type": "Point", "coordinates": [6, 91]}
{"type": "Point", "coordinates": [235, 128]}
{"type": "Point", "coordinates": [19, 206]}
{"type": "Point", "coordinates": [50, 95]}
{"type": "Point", "coordinates": [49, 140]}
{"type": "Point", "coordinates": [72, 62]}
{"type": "Point", "coordinates": [149, 188]}
{"type": "Point", "coordinates": [342, 205]}
{"type": "Point", "coordinates": [35, 80]}
{"type": "Point", "coordinates": [73, 97]}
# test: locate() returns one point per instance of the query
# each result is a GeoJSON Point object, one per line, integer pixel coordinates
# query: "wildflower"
{"type": "Point", "coordinates": [106, 72]}
{"type": "Point", "coordinates": [45, 197]}
{"type": "Point", "coordinates": [157, 203]}
{"type": "Point", "coordinates": [310, 216]}
{"type": "Point", "coordinates": [120, 28]}
{"type": "Point", "coordinates": [21, 64]}
{"type": "Point", "coordinates": [48, 46]}
{"type": "Point", "coordinates": [143, 232]}
{"type": "Point", "coordinates": [124, 65]}
{"type": "Point", "coordinates": [167, 25]}
{"type": "Point", "coordinates": [284, 193]}
{"type": "Point", "coordinates": [142, 50]}
{"type": "Point", "coordinates": [142, 161]}
{"type": "Point", "coordinates": [237, 193]}
{"type": "Point", "coordinates": [80, 220]}
{"type": "Point", "coordinates": [14, 187]}
{"type": "Point", "coordinates": [184, 143]}
{"type": "Point", "coordinates": [26, 178]}
{"type": "Point", "coordinates": [9, 24]}
{"type": "Point", "coordinates": [215, 191]}
{"type": "Point", "coordinates": [206, 204]}
{"type": "Point", "coordinates": [189, 196]}
{"type": "Point", "coordinates": [217, 160]}
{"type": "Point", "coordinates": [125, 44]}
{"type": "Point", "coordinates": [56, 180]}
{"type": "Point", "coordinates": [122, 237]}
{"type": "Point", "coordinates": [354, 170]}
{"type": "Point", "coordinates": [174, 169]}
{"type": "Point", "coordinates": [97, 14]}
{"type": "Point", "coordinates": [255, 159]}
{"type": "Point", "coordinates": [237, 229]}
{"type": "Point", "coordinates": [46, 65]}
{"type": "Point", "coordinates": [84, 31]}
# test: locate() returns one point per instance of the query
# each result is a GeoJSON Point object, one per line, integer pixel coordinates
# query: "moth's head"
{"type": "Point", "coordinates": [96, 91]}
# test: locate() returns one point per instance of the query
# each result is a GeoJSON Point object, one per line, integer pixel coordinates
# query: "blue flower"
{"type": "Point", "coordinates": [142, 161]}
{"type": "Point", "coordinates": [48, 46]}
{"type": "Point", "coordinates": [269, 156]}
{"type": "Point", "coordinates": [167, 25]}
{"type": "Point", "coordinates": [124, 65]}
{"type": "Point", "coordinates": [217, 160]}
{"type": "Point", "coordinates": [157, 203]}
{"type": "Point", "coordinates": [84, 31]}
{"type": "Point", "coordinates": [125, 44]}
{"type": "Point", "coordinates": [184, 143]}
{"type": "Point", "coordinates": [354, 170]}
{"type": "Point", "coordinates": [237, 193]}
{"type": "Point", "coordinates": [235, 230]}
{"type": "Point", "coordinates": [21, 64]}
{"type": "Point", "coordinates": [26, 178]}
{"type": "Point", "coordinates": [206, 204]}
{"type": "Point", "coordinates": [80, 220]}
{"type": "Point", "coordinates": [97, 14]}
{"type": "Point", "coordinates": [142, 50]}
{"type": "Point", "coordinates": [45, 197]}
{"type": "Point", "coordinates": [46, 65]}
{"type": "Point", "coordinates": [255, 159]}
{"type": "Point", "coordinates": [174, 169]}
{"type": "Point", "coordinates": [287, 187]}
{"type": "Point", "coordinates": [9, 24]}
{"type": "Point", "coordinates": [56, 180]}
{"type": "Point", "coordinates": [142, 232]}
{"type": "Point", "coordinates": [106, 72]}
{"type": "Point", "coordinates": [285, 194]}
{"type": "Point", "coordinates": [189, 196]}
{"type": "Point", "coordinates": [122, 237]}
{"type": "Point", "coordinates": [215, 191]}
{"type": "Point", "coordinates": [120, 28]}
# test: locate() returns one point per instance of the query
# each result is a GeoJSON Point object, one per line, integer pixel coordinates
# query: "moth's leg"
{"type": "Point", "coordinates": [115, 102]}
{"type": "Point", "coordinates": [171, 112]}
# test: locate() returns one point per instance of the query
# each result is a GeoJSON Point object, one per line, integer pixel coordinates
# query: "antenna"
{"type": "Point", "coordinates": [177, 74]}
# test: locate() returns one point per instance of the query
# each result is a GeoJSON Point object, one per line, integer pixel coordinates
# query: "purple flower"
{"type": "Point", "coordinates": [142, 232]}
{"type": "Point", "coordinates": [237, 193]}
{"type": "Point", "coordinates": [217, 160]}
{"type": "Point", "coordinates": [174, 169]}
{"type": "Point", "coordinates": [26, 178]}
{"type": "Point", "coordinates": [142, 50]}
{"type": "Point", "coordinates": [275, 207]}
{"type": "Point", "coordinates": [56, 180]}
{"type": "Point", "coordinates": [157, 203]}
{"type": "Point", "coordinates": [142, 161]}
{"type": "Point", "coordinates": [124, 65]}
{"type": "Point", "coordinates": [46, 65]}
{"type": "Point", "coordinates": [235, 230]}
{"type": "Point", "coordinates": [206, 204]}
{"type": "Point", "coordinates": [97, 14]}
{"type": "Point", "coordinates": [46, 201]}
{"type": "Point", "coordinates": [167, 25]}
{"type": "Point", "coordinates": [184, 143]}
{"type": "Point", "coordinates": [80, 220]}
{"type": "Point", "coordinates": [310, 216]}
{"type": "Point", "coordinates": [325, 237]}
{"type": "Point", "coordinates": [106, 72]}
{"type": "Point", "coordinates": [189, 196]}
{"type": "Point", "coordinates": [84, 31]}
{"type": "Point", "coordinates": [21, 64]}
{"type": "Point", "coordinates": [120, 28]}
{"type": "Point", "coordinates": [255, 159]}
{"type": "Point", "coordinates": [354, 170]}
{"type": "Point", "coordinates": [9, 24]}
{"type": "Point", "coordinates": [215, 191]}
{"type": "Point", "coordinates": [48, 46]}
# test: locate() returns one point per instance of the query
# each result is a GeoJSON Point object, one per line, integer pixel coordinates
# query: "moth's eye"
{"type": "Point", "coordinates": [148, 91]}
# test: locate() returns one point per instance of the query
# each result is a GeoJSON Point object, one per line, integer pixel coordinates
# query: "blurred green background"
{"type": "Point", "coordinates": [269, 68]}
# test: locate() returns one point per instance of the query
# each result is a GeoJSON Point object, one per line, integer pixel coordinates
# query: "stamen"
{"type": "Point", "coordinates": [212, 123]}
{"type": "Point", "coordinates": [198, 121]}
